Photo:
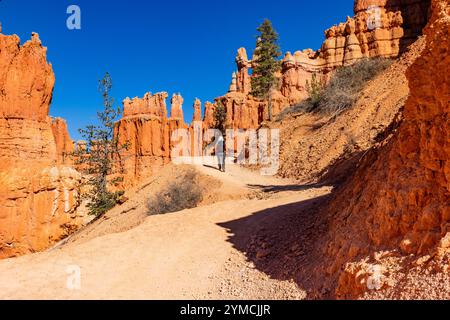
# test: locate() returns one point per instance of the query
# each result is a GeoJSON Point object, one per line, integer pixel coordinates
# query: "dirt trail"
{"type": "Point", "coordinates": [185, 255]}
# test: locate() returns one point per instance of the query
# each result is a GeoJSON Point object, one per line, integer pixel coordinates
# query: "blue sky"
{"type": "Point", "coordinates": [174, 46]}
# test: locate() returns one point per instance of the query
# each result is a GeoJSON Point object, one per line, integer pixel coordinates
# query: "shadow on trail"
{"type": "Point", "coordinates": [282, 241]}
{"type": "Point", "coordinates": [286, 242]}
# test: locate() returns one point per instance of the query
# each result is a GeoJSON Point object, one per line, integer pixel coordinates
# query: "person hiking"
{"type": "Point", "coordinates": [220, 153]}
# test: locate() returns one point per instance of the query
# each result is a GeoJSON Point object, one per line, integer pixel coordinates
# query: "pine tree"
{"type": "Point", "coordinates": [102, 149]}
{"type": "Point", "coordinates": [267, 63]}
{"type": "Point", "coordinates": [220, 117]}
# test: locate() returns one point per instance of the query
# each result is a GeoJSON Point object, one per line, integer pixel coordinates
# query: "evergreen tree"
{"type": "Point", "coordinates": [267, 63]}
{"type": "Point", "coordinates": [220, 117]}
{"type": "Point", "coordinates": [102, 149]}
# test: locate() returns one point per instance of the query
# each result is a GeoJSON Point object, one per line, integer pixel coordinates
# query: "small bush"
{"type": "Point", "coordinates": [342, 91]}
{"type": "Point", "coordinates": [101, 202]}
{"type": "Point", "coordinates": [346, 84]}
{"type": "Point", "coordinates": [304, 106]}
{"type": "Point", "coordinates": [183, 193]}
{"type": "Point", "coordinates": [315, 90]}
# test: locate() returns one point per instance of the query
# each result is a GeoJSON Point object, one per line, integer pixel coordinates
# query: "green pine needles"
{"type": "Point", "coordinates": [266, 64]}
{"type": "Point", "coordinates": [101, 151]}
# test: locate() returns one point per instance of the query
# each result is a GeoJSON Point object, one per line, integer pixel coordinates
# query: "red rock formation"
{"type": "Point", "coordinates": [154, 105]}
{"type": "Point", "coordinates": [243, 82]}
{"type": "Point", "coordinates": [400, 197]}
{"type": "Point", "coordinates": [243, 112]}
{"type": "Point", "coordinates": [196, 131]}
{"type": "Point", "coordinates": [380, 28]}
{"type": "Point", "coordinates": [208, 119]}
{"type": "Point", "coordinates": [176, 111]}
{"type": "Point", "coordinates": [64, 144]}
{"type": "Point", "coordinates": [414, 13]}
{"type": "Point", "coordinates": [37, 197]}
{"type": "Point", "coordinates": [147, 131]}
{"type": "Point", "coordinates": [26, 79]}
{"type": "Point", "coordinates": [197, 111]}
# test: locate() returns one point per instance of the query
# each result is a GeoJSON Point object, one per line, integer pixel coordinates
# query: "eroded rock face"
{"type": "Point", "coordinates": [154, 105]}
{"type": "Point", "coordinates": [26, 79]}
{"type": "Point", "coordinates": [400, 197]}
{"type": "Point", "coordinates": [208, 118]}
{"type": "Point", "coordinates": [37, 207]}
{"type": "Point", "coordinates": [38, 196]}
{"type": "Point", "coordinates": [414, 12]}
{"type": "Point", "coordinates": [176, 112]}
{"type": "Point", "coordinates": [64, 144]}
{"type": "Point", "coordinates": [197, 111]}
{"type": "Point", "coordinates": [147, 131]}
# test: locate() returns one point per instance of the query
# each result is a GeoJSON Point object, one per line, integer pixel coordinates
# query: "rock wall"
{"type": "Point", "coordinates": [146, 129]}
{"type": "Point", "coordinates": [399, 199]}
{"type": "Point", "coordinates": [26, 79]}
{"type": "Point", "coordinates": [64, 145]}
{"type": "Point", "coordinates": [38, 196]}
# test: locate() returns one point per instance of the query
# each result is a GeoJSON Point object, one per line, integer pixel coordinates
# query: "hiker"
{"type": "Point", "coordinates": [220, 153]}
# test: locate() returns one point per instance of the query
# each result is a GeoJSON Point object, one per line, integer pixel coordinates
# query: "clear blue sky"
{"type": "Point", "coordinates": [175, 46]}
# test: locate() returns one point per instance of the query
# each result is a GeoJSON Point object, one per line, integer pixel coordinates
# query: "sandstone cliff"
{"type": "Point", "coordinates": [26, 79]}
{"type": "Point", "coordinates": [147, 130]}
{"type": "Point", "coordinates": [64, 144]}
{"type": "Point", "coordinates": [38, 197]}
{"type": "Point", "coordinates": [399, 199]}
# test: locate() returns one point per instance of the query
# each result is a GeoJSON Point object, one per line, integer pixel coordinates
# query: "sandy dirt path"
{"type": "Point", "coordinates": [184, 255]}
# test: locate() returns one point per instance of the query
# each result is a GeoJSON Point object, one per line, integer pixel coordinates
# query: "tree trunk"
{"type": "Point", "coordinates": [269, 107]}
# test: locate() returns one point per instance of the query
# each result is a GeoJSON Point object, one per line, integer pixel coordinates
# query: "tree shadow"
{"type": "Point", "coordinates": [282, 242]}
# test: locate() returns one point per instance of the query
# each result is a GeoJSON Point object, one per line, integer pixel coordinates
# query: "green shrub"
{"type": "Point", "coordinates": [345, 86]}
{"type": "Point", "coordinates": [101, 202]}
{"type": "Point", "coordinates": [182, 193]}
{"type": "Point", "coordinates": [304, 106]}
{"type": "Point", "coordinates": [342, 91]}
{"type": "Point", "coordinates": [315, 90]}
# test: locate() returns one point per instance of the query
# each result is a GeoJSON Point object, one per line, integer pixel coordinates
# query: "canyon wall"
{"type": "Point", "coordinates": [399, 199]}
{"type": "Point", "coordinates": [38, 196]}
